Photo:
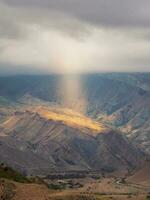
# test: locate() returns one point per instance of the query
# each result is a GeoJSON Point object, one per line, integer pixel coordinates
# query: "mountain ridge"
{"type": "Point", "coordinates": [64, 147]}
{"type": "Point", "coordinates": [55, 134]}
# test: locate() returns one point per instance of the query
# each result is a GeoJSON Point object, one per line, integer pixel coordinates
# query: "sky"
{"type": "Point", "coordinates": [74, 36]}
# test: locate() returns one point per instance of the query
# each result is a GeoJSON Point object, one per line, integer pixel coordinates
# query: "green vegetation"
{"type": "Point", "coordinates": [64, 185]}
{"type": "Point", "coordinates": [147, 197]}
{"type": "Point", "coordinates": [56, 186]}
{"type": "Point", "coordinates": [8, 173]}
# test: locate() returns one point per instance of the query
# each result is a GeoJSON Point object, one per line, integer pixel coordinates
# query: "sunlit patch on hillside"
{"type": "Point", "coordinates": [71, 118]}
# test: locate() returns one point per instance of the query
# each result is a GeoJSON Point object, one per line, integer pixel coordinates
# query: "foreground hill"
{"type": "Point", "coordinates": [13, 186]}
{"type": "Point", "coordinates": [43, 140]}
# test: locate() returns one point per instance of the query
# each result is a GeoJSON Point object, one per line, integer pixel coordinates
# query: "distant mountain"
{"type": "Point", "coordinates": [103, 92]}
{"type": "Point", "coordinates": [141, 80]}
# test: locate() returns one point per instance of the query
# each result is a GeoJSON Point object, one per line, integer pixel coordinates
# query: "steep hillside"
{"type": "Point", "coordinates": [35, 125]}
{"type": "Point", "coordinates": [71, 118]}
{"type": "Point", "coordinates": [41, 144]}
{"type": "Point", "coordinates": [141, 176]}
{"type": "Point", "coordinates": [134, 120]}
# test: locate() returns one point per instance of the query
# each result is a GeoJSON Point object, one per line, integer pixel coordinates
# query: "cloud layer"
{"type": "Point", "coordinates": [69, 36]}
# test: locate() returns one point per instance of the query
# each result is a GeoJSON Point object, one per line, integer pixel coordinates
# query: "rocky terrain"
{"type": "Point", "coordinates": [109, 128]}
{"type": "Point", "coordinates": [44, 140]}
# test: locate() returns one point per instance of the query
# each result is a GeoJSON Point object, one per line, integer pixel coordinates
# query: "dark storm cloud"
{"type": "Point", "coordinates": [14, 20]}
{"type": "Point", "coordinates": [100, 12]}
{"type": "Point", "coordinates": [44, 36]}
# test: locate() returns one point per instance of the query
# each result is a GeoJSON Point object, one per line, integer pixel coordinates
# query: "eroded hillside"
{"type": "Point", "coordinates": [45, 139]}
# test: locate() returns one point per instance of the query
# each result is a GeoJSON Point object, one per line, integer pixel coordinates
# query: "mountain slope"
{"type": "Point", "coordinates": [141, 176]}
{"type": "Point", "coordinates": [41, 144]}
{"type": "Point", "coordinates": [56, 136]}
{"type": "Point", "coordinates": [134, 120]}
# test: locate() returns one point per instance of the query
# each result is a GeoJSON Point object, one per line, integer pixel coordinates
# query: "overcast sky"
{"type": "Point", "coordinates": [69, 36]}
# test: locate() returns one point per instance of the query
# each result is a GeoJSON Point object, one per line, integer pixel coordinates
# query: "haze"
{"type": "Point", "coordinates": [38, 37]}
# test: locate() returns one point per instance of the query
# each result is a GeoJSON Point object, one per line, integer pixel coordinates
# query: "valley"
{"type": "Point", "coordinates": [98, 187]}
{"type": "Point", "coordinates": [101, 153]}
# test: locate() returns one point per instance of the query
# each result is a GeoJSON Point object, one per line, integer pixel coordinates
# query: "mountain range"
{"type": "Point", "coordinates": [104, 125]}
